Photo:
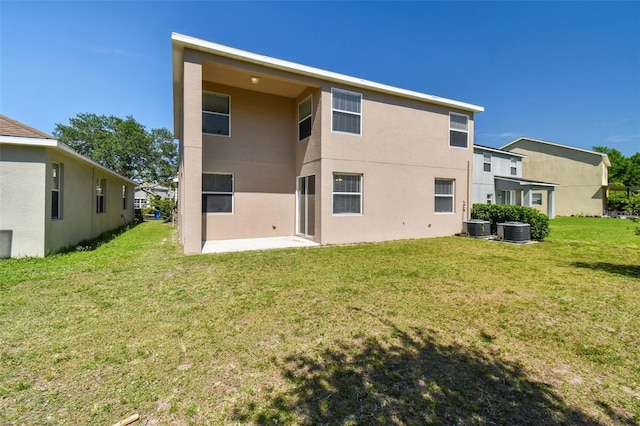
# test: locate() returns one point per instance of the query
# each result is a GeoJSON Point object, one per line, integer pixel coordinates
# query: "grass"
{"type": "Point", "coordinates": [435, 331]}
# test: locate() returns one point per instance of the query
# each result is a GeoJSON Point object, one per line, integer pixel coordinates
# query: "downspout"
{"type": "Point", "coordinates": [466, 216]}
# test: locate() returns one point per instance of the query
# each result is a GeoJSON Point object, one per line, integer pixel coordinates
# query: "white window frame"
{"type": "Point", "coordinates": [139, 203]}
{"type": "Point", "coordinates": [358, 114]}
{"type": "Point", "coordinates": [511, 195]}
{"type": "Point", "coordinates": [309, 117]}
{"type": "Point", "coordinates": [538, 196]}
{"type": "Point", "coordinates": [125, 193]}
{"type": "Point", "coordinates": [232, 193]}
{"type": "Point", "coordinates": [101, 195]}
{"type": "Point", "coordinates": [218, 113]}
{"type": "Point", "coordinates": [465, 131]}
{"type": "Point", "coordinates": [514, 167]}
{"type": "Point", "coordinates": [452, 195]}
{"type": "Point", "coordinates": [57, 191]}
{"type": "Point", "coordinates": [334, 193]}
{"type": "Point", "coordinates": [486, 163]}
{"type": "Point", "coordinates": [489, 198]}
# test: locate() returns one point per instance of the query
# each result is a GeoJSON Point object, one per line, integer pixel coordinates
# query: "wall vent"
{"type": "Point", "coordinates": [477, 228]}
{"type": "Point", "coordinates": [514, 232]}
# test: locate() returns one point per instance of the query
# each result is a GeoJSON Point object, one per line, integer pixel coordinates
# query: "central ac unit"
{"type": "Point", "coordinates": [477, 228]}
{"type": "Point", "coordinates": [514, 232]}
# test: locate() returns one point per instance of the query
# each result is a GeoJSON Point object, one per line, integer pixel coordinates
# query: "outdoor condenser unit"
{"type": "Point", "coordinates": [514, 232]}
{"type": "Point", "coordinates": [477, 228]}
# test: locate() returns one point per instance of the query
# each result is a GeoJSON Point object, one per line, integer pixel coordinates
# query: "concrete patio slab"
{"type": "Point", "coordinates": [248, 244]}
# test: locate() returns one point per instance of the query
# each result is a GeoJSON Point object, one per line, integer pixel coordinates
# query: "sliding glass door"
{"type": "Point", "coordinates": [306, 195]}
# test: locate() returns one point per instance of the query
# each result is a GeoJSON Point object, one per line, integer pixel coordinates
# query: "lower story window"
{"type": "Point", "coordinates": [444, 195]}
{"type": "Point", "coordinates": [101, 190]}
{"type": "Point", "coordinates": [347, 193]}
{"type": "Point", "coordinates": [536, 199]}
{"type": "Point", "coordinates": [217, 193]}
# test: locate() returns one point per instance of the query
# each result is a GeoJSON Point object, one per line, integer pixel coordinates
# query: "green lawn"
{"type": "Point", "coordinates": [435, 331]}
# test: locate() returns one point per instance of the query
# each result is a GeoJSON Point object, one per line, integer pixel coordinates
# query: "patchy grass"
{"type": "Point", "coordinates": [436, 331]}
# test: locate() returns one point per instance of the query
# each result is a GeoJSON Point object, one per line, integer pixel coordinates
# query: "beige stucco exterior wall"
{"type": "Point", "coordinates": [581, 176]}
{"type": "Point", "coordinates": [403, 148]}
{"type": "Point", "coordinates": [22, 200]}
{"type": "Point", "coordinates": [190, 194]}
{"type": "Point", "coordinates": [260, 153]}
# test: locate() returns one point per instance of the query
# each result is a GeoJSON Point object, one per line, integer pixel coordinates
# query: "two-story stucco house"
{"type": "Point", "coordinates": [497, 179]}
{"type": "Point", "coordinates": [51, 197]}
{"type": "Point", "coordinates": [582, 175]}
{"type": "Point", "coordinates": [274, 148]}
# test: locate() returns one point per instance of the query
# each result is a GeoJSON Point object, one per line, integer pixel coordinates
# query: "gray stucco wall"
{"type": "Point", "coordinates": [22, 200]}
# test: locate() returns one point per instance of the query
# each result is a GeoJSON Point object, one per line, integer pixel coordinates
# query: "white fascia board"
{"type": "Point", "coordinates": [499, 151]}
{"type": "Point", "coordinates": [21, 140]}
{"type": "Point", "coordinates": [56, 144]}
{"type": "Point", "coordinates": [292, 67]}
{"type": "Point", "coordinates": [605, 156]}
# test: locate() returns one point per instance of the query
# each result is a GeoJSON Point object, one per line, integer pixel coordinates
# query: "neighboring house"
{"type": "Point", "coordinates": [145, 192]}
{"type": "Point", "coordinates": [497, 179]}
{"type": "Point", "coordinates": [274, 148]}
{"type": "Point", "coordinates": [582, 175]}
{"type": "Point", "coordinates": [51, 197]}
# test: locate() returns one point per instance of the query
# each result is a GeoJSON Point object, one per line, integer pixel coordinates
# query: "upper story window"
{"type": "Point", "coordinates": [101, 191]}
{"type": "Point", "coordinates": [514, 167]}
{"type": "Point", "coordinates": [217, 193]}
{"type": "Point", "coordinates": [347, 193]}
{"type": "Point", "coordinates": [458, 130]}
{"type": "Point", "coordinates": [56, 191]}
{"type": "Point", "coordinates": [216, 114]}
{"type": "Point", "coordinates": [487, 162]}
{"type": "Point", "coordinates": [346, 108]}
{"type": "Point", "coordinates": [304, 119]}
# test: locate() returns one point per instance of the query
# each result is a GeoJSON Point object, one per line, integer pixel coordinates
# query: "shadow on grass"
{"type": "Point", "coordinates": [409, 379]}
{"type": "Point", "coordinates": [632, 271]}
{"type": "Point", "coordinates": [93, 244]}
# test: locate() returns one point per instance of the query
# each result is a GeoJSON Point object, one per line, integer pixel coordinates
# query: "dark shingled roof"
{"type": "Point", "coordinates": [10, 127]}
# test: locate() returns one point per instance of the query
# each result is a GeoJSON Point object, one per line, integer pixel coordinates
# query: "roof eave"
{"type": "Point", "coordinates": [182, 41]}
{"type": "Point", "coordinates": [56, 144]}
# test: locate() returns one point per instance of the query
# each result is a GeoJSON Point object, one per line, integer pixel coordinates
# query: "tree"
{"type": "Point", "coordinates": [122, 145]}
{"type": "Point", "coordinates": [619, 170]}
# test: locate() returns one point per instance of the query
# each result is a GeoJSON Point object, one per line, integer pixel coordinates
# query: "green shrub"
{"type": "Point", "coordinates": [498, 213]}
{"type": "Point", "coordinates": [165, 206]}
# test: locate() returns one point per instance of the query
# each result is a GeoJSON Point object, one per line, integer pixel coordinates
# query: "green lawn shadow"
{"type": "Point", "coordinates": [408, 378]}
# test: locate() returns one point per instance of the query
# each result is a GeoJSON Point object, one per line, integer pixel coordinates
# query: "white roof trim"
{"type": "Point", "coordinates": [56, 144]}
{"type": "Point", "coordinates": [499, 151]}
{"type": "Point", "coordinates": [230, 52]}
{"type": "Point", "coordinates": [524, 182]}
{"type": "Point", "coordinates": [605, 156]}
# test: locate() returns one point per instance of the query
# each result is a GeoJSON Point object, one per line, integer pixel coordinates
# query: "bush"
{"type": "Point", "coordinates": [499, 213]}
{"type": "Point", "coordinates": [165, 206]}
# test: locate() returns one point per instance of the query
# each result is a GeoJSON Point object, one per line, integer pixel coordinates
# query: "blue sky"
{"type": "Point", "coordinates": [566, 72]}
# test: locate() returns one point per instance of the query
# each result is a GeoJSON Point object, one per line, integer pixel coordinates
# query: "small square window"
{"type": "Point", "coordinates": [536, 199]}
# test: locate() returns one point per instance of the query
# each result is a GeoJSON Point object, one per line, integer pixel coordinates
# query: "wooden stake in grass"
{"type": "Point", "coordinates": [128, 420]}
